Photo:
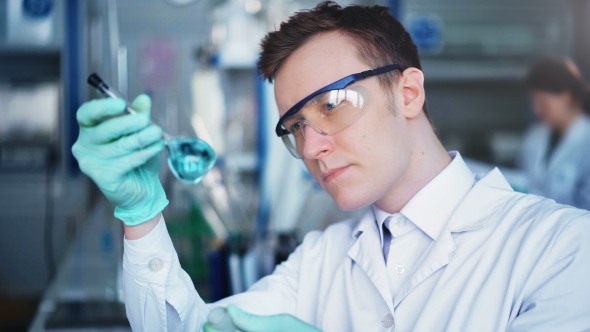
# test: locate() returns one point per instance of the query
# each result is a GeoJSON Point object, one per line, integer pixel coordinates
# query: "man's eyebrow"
{"type": "Point", "coordinates": [297, 115]}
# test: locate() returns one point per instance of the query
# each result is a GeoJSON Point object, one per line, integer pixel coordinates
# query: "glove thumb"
{"type": "Point", "coordinates": [142, 104]}
{"type": "Point", "coordinates": [246, 321]}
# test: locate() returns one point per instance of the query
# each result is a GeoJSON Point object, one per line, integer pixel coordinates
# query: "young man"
{"type": "Point", "coordinates": [439, 250]}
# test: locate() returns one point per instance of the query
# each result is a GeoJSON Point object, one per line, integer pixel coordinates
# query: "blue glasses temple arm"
{"type": "Point", "coordinates": [381, 70]}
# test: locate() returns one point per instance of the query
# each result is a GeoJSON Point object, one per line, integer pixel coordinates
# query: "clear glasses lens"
{"type": "Point", "coordinates": [290, 142]}
{"type": "Point", "coordinates": [327, 113]}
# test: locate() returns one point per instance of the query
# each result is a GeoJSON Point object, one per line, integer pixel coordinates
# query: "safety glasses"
{"type": "Point", "coordinates": [328, 110]}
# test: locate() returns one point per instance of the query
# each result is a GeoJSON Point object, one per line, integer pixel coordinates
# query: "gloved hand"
{"type": "Point", "coordinates": [121, 155]}
{"type": "Point", "coordinates": [253, 323]}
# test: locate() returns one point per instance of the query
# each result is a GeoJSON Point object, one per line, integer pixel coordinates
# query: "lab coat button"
{"type": "Point", "coordinates": [156, 264]}
{"type": "Point", "coordinates": [399, 269]}
{"type": "Point", "coordinates": [388, 321]}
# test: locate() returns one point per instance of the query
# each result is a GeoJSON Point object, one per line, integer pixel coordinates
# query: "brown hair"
{"type": "Point", "coordinates": [557, 75]}
{"type": "Point", "coordinates": [379, 38]}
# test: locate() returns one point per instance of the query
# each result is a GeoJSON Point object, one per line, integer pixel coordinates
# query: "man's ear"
{"type": "Point", "coordinates": [410, 87]}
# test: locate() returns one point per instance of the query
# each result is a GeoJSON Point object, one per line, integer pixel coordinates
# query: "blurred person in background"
{"type": "Point", "coordinates": [556, 152]}
{"type": "Point", "coordinates": [438, 249]}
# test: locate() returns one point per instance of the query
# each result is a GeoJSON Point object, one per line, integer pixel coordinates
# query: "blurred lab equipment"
{"type": "Point", "coordinates": [556, 152]}
{"type": "Point", "coordinates": [21, 119]}
{"type": "Point", "coordinates": [238, 31]}
{"type": "Point", "coordinates": [30, 22]}
{"type": "Point", "coordinates": [181, 3]}
{"type": "Point", "coordinates": [189, 158]}
{"type": "Point", "coordinates": [209, 105]}
{"type": "Point", "coordinates": [474, 56]}
{"type": "Point", "coordinates": [41, 205]}
{"type": "Point", "coordinates": [86, 292]}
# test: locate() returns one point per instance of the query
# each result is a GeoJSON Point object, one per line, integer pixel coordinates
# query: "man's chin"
{"type": "Point", "coordinates": [350, 203]}
{"type": "Point", "coordinates": [347, 196]}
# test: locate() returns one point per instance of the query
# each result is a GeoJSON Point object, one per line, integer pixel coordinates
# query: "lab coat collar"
{"type": "Point", "coordinates": [486, 198]}
{"type": "Point", "coordinates": [475, 210]}
{"type": "Point", "coordinates": [432, 206]}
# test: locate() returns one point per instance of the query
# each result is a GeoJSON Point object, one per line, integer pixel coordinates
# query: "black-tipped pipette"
{"type": "Point", "coordinates": [101, 86]}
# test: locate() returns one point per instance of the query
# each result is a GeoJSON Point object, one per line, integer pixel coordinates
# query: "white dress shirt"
{"type": "Point", "coordinates": [465, 254]}
{"type": "Point", "coordinates": [406, 235]}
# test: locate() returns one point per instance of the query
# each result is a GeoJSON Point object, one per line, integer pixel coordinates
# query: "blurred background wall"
{"type": "Point", "coordinates": [196, 59]}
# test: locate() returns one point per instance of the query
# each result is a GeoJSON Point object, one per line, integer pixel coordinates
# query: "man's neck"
{"type": "Point", "coordinates": [428, 158]}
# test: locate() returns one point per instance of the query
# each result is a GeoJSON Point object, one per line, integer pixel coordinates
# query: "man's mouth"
{"type": "Point", "coordinates": [333, 174]}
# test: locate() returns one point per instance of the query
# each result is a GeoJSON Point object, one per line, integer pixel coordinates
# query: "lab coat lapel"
{"type": "Point", "coordinates": [486, 198]}
{"type": "Point", "coordinates": [436, 256]}
{"type": "Point", "coordinates": [476, 209]}
{"type": "Point", "coordinates": [366, 253]}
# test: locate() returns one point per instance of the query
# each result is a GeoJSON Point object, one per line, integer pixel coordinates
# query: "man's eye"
{"type": "Point", "coordinates": [331, 105]}
{"type": "Point", "coordinates": [296, 127]}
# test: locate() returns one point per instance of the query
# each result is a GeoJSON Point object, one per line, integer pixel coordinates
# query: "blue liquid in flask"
{"type": "Point", "coordinates": [189, 158]}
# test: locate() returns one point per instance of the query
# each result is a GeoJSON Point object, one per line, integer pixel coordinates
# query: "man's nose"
{"type": "Point", "coordinates": [316, 145]}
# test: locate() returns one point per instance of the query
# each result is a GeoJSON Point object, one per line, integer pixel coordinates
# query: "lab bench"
{"type": "Point", "coordinates": [86, 293]}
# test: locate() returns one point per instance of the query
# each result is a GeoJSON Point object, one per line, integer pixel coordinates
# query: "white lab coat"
{"type": "Point", "coordinates": [566, 176]}
{"type": "Point", "coordinates": [503, 261]}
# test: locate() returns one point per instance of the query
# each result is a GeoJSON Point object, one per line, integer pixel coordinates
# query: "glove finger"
{"type": "Point", "coordinates": [276, 323]}
{"type": "Point", "coordinates": [142, 104]}
{"type": "Point", "coordinates": [153, 164]}
{"type": "Point", "coordinates": [208, 328]}
{"type": "Point", "coordinates": [139, 158]}
{"type": "Point", "coordinates": [115, 128]}
{"type": "Point", "coordinates": [250, 323]}
{"type": "Point", "coordinates": [95, 111]}
{"type": "Point", "coordinates": [134, 142]}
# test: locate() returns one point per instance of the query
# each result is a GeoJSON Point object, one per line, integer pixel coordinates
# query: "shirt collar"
{"type": "Point", "coordinates": [391, 221]}
{"type": "Point", "coordinates": [433, 205]}
{"type": "Point", "coordinates": [380, 215]}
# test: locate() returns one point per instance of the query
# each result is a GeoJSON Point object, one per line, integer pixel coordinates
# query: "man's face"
{"type": "Point", "coordinates": [362, 163]}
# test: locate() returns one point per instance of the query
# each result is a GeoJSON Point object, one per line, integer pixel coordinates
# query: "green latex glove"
{"type": "Point", "coordinates": [253, 323]}
{"type": "Point", "coordinates": [121, 155]}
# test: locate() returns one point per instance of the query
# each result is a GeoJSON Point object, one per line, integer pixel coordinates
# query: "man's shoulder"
{"type": "Point", "coordinates": [341, 230]}
{"type": "Point", "coordinates": [336, 237]}
{"type": "Point", "coordinates": [542, 207]}
{"type": "Point", "coordinates": [540, 215]}
{"type": "Point", "coordinates": [528, 232]}
{"type": "Point", "coordinates": [547, 240]}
